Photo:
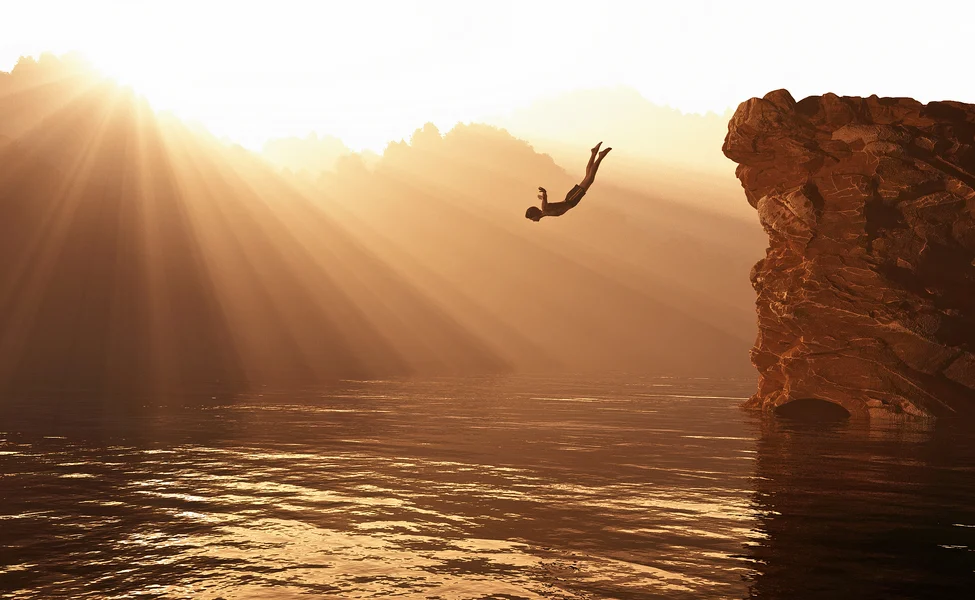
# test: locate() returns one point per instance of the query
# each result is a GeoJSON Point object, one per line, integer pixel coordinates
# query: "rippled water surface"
{"type": "Point", "coordinates": [503, 488]}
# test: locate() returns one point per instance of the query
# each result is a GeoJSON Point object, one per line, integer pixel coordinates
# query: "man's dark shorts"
{"type": "Point", "coordinates": [575, 195]}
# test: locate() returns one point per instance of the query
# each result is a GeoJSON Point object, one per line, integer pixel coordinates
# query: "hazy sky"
{"type": "Point", "coordinates": [369, 70]}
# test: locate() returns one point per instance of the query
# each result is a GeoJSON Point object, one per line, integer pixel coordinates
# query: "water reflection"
{"type": "Point", "coordinates": [864, 511]}
{"type": "Point", "coordinates": [486, 488]}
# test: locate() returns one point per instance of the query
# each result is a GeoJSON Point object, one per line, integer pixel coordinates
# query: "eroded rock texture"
{"type": "Point", "coordinates": [866, 296]}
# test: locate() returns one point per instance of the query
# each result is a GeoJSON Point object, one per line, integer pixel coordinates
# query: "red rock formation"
{"type": "Point", "coordinates": [866, 296]}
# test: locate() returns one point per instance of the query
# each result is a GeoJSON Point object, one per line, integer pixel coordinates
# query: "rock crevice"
{"type": "Point", "coordinates": [866, 295]}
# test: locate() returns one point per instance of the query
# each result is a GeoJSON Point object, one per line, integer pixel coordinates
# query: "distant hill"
{"type": "Point", "coordinates": [627, 280]}
{"type": "Point", "coordinates": [143, 255]}
{"type": "Point", "coordinates": [311, 154]}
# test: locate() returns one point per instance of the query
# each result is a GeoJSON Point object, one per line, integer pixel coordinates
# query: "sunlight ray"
{"type": "Point", "coordinates": [32, 276]}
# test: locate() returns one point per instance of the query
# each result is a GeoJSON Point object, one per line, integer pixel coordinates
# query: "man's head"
{"type": "Point", "coordinates": [534, 213]}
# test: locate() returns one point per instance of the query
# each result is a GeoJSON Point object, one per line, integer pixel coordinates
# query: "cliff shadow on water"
{"type": "Point", "coordinates": [864, 510]}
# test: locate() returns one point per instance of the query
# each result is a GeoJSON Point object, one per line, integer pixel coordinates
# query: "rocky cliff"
{"type": "Point", "coordinates": [866, 295]}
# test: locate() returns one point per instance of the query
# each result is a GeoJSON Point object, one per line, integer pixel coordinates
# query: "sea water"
{"type": "Point", "coordinates": [494, 487]}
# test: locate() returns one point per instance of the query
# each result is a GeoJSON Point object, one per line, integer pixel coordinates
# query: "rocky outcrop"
{"type": "Point", "coordinates": [866, 295]}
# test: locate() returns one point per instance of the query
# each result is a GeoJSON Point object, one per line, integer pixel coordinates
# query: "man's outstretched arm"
{"type": "Point", "coordinates": [543, 196]}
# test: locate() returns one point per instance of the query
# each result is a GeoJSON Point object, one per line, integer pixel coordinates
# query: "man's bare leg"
{"type": "Point", "coordinates": [591, 172]}
{"type": "Point", "coordinates": [592, 158]}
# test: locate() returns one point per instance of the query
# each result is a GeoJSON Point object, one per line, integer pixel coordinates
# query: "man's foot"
{"type": "Point", "coordinates": [604, 152]}
{"type": "Point", "coordinates": [595, 148]}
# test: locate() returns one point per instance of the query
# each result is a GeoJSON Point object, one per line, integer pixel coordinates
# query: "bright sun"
{"type": "Point", "coordinates": [371, 71]}
{"type": "Point", "coordinates": [250, 75]}
{"type": "Point", "coordinates": [367, 72]}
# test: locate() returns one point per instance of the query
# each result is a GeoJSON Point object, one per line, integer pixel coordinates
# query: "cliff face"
{"type": "Point", "coordinates": [866, 296]}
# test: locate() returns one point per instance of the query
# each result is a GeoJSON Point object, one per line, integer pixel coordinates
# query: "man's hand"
{"type": "Point", "coordinates": [542, 194]}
